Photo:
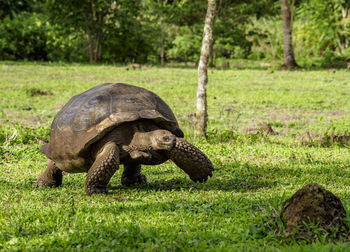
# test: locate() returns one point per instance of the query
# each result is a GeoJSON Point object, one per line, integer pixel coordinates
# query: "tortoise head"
{"type": "Point", "coordinates": [162, 140]}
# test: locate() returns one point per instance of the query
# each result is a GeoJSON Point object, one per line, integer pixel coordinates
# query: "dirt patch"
{"type": "Point", "coordinates": [38, 92]}
{"type": "Point", "coordinates": [262, 128]}
{"type": "Point", "coordinates": [26, 119]}
{"type": "Point", "coordinates": [285, 116]}
{"type": "Point", "coordinates": [312, 139]}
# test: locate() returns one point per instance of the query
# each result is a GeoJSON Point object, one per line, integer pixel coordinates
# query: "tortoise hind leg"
{"type": "Point", "coordinates": [191, 160]}
{"type": "Point", "coordinates": [102, 170]}
{"type": "Point", "coordinates": [52, 176]}
{"type": "Point", "coordinates": [132, 175]}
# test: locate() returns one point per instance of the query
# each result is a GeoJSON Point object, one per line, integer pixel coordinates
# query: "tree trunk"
{"type": "Point", "coordinates": [287, 18]}
{"type": "Point", "coordinates": [99, 37]}
{"type": "Point", "coordinates": [91, 47]}
{"type": "Point", "coordinates": [162, 50]}
{"type": "Point", "coordinates": [212, 56]}
{"type": "Point", "coordinates": [94, 29]}
{"type": "Point", "coordinates": [201, 114]}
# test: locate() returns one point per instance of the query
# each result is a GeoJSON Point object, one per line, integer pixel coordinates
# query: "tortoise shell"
{"type": "Point", "coordinates": [89, 116]}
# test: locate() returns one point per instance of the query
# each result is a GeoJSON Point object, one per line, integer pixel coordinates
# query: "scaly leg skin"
{"type": "Point", "coordinates": [132, 175]}
{"type": "Point", "coordinates": [52, 176]}
{"type": "Point", "coordinates": [191, 160]}
{"type": "Point", "coordinates": [102, 170]}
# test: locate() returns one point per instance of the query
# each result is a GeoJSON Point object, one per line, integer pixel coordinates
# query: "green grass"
{"type": "Point", "coordinates": [237, 209]}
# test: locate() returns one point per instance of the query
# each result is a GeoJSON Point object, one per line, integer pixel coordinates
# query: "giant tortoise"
{"type": "Point", "coordinates": [113, 124]}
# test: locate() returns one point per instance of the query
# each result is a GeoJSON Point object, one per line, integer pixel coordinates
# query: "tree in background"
{"type": "Point", "coordinates": [324, 30]}
{"type": "Point", "coordinates": [201, 114]}
{"type": "Point", "coordinates": [94, 17]}
{"type": "Point", "coordinates": [231, 36]}
{"type": "Point", "coordinates": [180, 24]}
{"type": "Point", "coordinates": [160, 31]}
{"type": "Point", "coordinates": [287, 23]}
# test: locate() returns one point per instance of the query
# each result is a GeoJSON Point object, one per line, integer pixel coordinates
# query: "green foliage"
{"type": "Point", "coordinates": [266, 36]}
{"type": "Point", "coordinates": [68, 47]}
{"type": "Point", "coordinates": [325, 24]}
{"type": "Point", "coordinates": [24, 37]}
{"type": "Point", "coordinates": [9, 8]}
{"type": "Point", "coordinates": [30, 36]}
{"type": "Point", "coordinates": [185, 47]}
{"type": "Point", "coordinates": [130, 40]}
{"type": "Point", "coordinates": [145, 31]}
{"type": "Point", "coordinates": [319, 34]}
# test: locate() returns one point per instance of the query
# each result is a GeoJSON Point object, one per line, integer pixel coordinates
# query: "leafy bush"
{"type": "Point", "coordinates": [62, 46]}
{"type": "Point", "coordinates": [266, 37]}
{"type": "Point", "coordinates": [186, 47]}
{"type": "Point", "coordinates": [30, 36]}
{"type": "Point", "coordinates": [24, 37]}
{"type": "Point", "coordinates": [231, 42]}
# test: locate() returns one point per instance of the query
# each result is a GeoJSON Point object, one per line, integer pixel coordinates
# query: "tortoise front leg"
{"type": "Point", "coordinates": [102, 170]}
{"type": "Point", "coordinates": [132, 175]}
{"type": "Point", "coordinates": [52, 176]}
{"type": "Point", "coordinates": [191, 160]}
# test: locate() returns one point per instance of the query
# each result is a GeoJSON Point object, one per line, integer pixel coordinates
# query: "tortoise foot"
{"type": "Point", "coordinates": [44, 181]}
{"type": "Point", "coordinates": [96, 190]}
{"type": "Point", "coordinates": [132, 175]}
{"type": "Point", "coordinates": [191, 160]}
{"type": "Point", "coordinates": [52, 176]}
{"type": "Point", "coordinates": [137, 179]}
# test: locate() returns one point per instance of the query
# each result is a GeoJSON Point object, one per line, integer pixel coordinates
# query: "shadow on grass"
{"type": "Point", "coordinates": [239, 177]}
{"type": "Point", "coordinates": [214, 184]}
{"type": "Point", "coordinates": [235, 177]}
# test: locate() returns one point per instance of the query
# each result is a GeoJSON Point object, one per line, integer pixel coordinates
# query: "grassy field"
{"type": "Point", "coordinates": [237, 209]}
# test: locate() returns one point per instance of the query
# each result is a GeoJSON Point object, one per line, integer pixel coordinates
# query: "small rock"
{"type": "Point", "coordinates": [267, 129]}
{"type": "Point", "coordinates": [313, 204]}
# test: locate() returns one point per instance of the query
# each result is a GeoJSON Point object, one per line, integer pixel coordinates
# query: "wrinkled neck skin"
{"type": "Point", "coordinates": [150, 147]}
{"type": "Point", "coordinates": [139, 142]}
{"type": "Point", "coordinates": [142, 141]}
{"type": "Point", "coordinates": [153, 140]}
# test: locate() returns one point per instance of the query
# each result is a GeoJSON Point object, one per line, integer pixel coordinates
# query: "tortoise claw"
{"type": "Point", "coordinates": [96, 190]}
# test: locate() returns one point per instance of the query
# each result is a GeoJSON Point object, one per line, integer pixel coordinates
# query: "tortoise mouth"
{"type": "Point", "coordinates": [167, 146]}
{"type": "Point", "coordinates": [166, 142]}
